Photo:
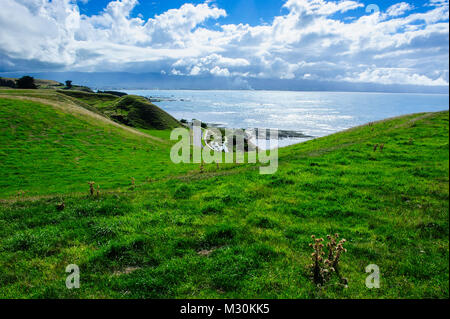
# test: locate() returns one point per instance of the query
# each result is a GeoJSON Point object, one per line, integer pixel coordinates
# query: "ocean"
{"type": "Point", "coordinates": [314, 114]}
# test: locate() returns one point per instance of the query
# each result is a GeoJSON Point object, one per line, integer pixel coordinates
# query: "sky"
{"type": "Point", "coordinates": [380, 42]}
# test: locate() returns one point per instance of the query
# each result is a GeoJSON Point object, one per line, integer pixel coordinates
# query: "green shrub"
{"type": "Point", "coordinates": [26, 82]}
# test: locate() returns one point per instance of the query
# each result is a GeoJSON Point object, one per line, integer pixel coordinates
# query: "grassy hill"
{"type": "Point", "coordinates": [39, 83]}
{"type": "Point", "coordinates": [45, 134]}
{"type": "Point", "coordinates": [131, 110]}
{"type": "Point", "coordinates": [175, 232]}
{"type": "Point", "coordinates": [44, 84]}
{"type": "Point", "coordinates": [97, 100]}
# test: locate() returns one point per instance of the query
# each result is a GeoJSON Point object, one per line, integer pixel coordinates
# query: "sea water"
{"type": "Point", "coordinates": [314, 114]}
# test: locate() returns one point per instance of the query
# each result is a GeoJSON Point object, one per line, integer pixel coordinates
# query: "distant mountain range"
{"type": "Point", "coordinates": [121, 80]}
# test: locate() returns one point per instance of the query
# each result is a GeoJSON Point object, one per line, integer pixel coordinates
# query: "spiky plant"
{"type": "Point", "coordinates": [91, 188]}
{"type": "Point", "coordinates": [317, 256]}
{"type": "Point", "coordinates": [323, 269]}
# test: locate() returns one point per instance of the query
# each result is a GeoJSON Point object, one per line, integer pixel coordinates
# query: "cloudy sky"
{"type": "Point", "coordinates": [382, 42]}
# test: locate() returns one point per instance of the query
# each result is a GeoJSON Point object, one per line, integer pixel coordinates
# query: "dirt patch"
{"type": "Point", "coordinates": [126, 271]}
{"type": "Point", "coordinates": [206, 252]}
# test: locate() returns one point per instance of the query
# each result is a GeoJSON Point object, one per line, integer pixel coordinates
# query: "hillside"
{"type": "Point", "coordinates": [39, 83]}
{"type": "Point", "coordinates": [131, 110]}
{"type": "Point", "coordinates": [44, 84]}
{"type": "Point", "coordinates": [159, 230]}
{"type": "Point", "coordinates": [45, 134]}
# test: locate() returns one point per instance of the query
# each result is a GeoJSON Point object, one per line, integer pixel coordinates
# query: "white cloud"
{"type": "Point", "coordinates": [321, 7]}
{"type": "Point", "coordinates": [309, 41]}
{"type": "Point", "coordinates": [214, 64]}
{"type": "Point", "coordinates": [220, 72]}
{"type": "Point", "coordinates": [394, 76]}
{"type": "Point", "coordinates": [399, 9]}
{"type": "Point", "coordinates": [438, 3]}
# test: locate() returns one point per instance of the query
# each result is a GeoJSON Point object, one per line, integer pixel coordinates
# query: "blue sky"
{"type": "Point", "coordinates": [401, 43]}
{"type": "Point", "coordinates": [253, 12]}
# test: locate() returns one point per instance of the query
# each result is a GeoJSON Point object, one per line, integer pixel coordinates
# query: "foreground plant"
{"type": "Point", "coordinates": [60, 206]}
{"type": "Point", "coordinates": [323, 269]}
{"type": "Point", "coordinates": [91, 188]}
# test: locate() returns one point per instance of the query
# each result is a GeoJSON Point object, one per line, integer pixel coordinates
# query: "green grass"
{"type": "Point", "coordinates": [137, 111]}
{"type": "Point", "coordinates": [48, 151]}
{"type": "Point", "coordinates": [41, 83]}
{"type": "Point", "coordinates": [224, 233]}
{"type": "Point", "coordinates": [132, 110]}
{"type": "Point", "coordinates": [97, 100]}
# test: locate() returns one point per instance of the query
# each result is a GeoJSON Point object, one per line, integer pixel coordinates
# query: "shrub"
{"type": "Point", "coordinates": [26, 82]}
{"type": "Point", "coordinates": [7, 83]}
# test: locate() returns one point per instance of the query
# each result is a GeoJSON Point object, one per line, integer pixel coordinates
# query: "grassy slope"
{"type": "Point", "coordinates": [41, 83]}
{"type": "Point", "coordinates": [50, 84]}
{"type": "Point", "coordinates": [139, 112]}
{"type": "Point", "coordinates": [252, 231]}
{"type": "Point", "coordinates": [48, 151]}
{"type": "Point", "coordinates": [97, 100]}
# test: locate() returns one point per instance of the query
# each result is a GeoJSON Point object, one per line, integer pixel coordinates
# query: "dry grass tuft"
{"type": "Point", "coordinates": [91, 188]}
{"type": "Point", "coordinates": [60, 206]}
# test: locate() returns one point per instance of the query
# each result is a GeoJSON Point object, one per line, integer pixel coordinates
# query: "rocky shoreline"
{"type": "Point", "coordinates": [282, 134]}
